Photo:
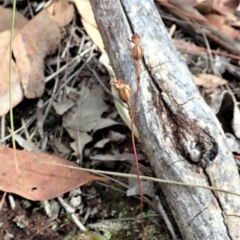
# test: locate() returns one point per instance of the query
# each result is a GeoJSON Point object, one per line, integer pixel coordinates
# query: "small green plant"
{"type": "Point", "coordinates": [107, 234]}
{"type": "Point", "coordinates": [20, 221]}
{"type": "Point", "coordinates": [26, 204]}
{"type": "Point", "coordinates": [69, 217]}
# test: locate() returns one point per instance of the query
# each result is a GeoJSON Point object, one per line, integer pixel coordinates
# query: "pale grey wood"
{"type": "Point", "coordinates": [180, 135]}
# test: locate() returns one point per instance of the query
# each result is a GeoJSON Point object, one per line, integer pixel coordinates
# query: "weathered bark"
{"type": "Point", "coordinates": [181, 136]}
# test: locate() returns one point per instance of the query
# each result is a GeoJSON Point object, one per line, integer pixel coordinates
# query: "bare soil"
{"type": "Point", "coordinates": [25, 224]}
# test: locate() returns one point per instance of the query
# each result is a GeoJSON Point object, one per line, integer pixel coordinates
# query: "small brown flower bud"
{"type": "Point", "coordinates": [125, 93]}
{"type": "Point", "coordinates": [123, 88]}
{"type": "Point", "coordinates": [119, 84]}
{"type": "Point", "coordinates": [135, 38]}
{"type": "Point", "coordinates": [137, 52]}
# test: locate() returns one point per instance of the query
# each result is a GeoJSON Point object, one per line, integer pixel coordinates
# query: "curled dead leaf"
{"type": "Point", "coordinates": [38, 38]}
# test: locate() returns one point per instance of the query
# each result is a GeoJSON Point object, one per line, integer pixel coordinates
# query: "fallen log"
{"type": "Point", "coordinates": [180, 135]}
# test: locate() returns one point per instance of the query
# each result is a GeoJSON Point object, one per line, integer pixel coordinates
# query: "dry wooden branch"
{"type": "Point", "coordinates": [181, 136]}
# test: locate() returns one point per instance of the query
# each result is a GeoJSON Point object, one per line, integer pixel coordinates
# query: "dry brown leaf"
{"type": "Point", "coordinates": [60, 11]}
{"type": "Point", "coordinates": [62, 107]}
{"type": "Point", "coordinates": [81, 139]}
{"type": "Point", "coordinates": [85, 10]}
{"type": "Point", "coordinates": [38, 38]}
{"type": "Point", "coordinates": [91, 106]}
{"type": "Point", "coordinates": [60, 148]}
{"type": "Point", "coordinates": [183, 10]}
{"type": "Point", "coordinates": [209, 81]}
{"type": "Point", "coordinates": [195, 3]}
{"type": "Point", "coordinates": [17, 92]}
{"type": "Point", "coordinates": [204, 6]}
{"type": "Point", "coordinates": [6, 19]}
{"type": "Point", "coordinates": [94, 34]}
{"type": "Point", "coordinates": [39, 178]}
{"type": "Point", "coordinates": [225, 7]}
{"type": "Point", "coordinates": [87, 17]}
{"type": "Point", "coordinates": [221, 23]}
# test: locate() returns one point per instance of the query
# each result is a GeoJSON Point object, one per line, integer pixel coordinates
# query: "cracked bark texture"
{"type": "Point", "coordinates": [180, 135]}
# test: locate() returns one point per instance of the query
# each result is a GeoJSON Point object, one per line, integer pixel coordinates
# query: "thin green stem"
{"type": "Point", "coordinates": [10, 82]}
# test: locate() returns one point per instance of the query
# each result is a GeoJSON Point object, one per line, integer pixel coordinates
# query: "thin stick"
{"type": "Point", "coordinates": [3, 200]}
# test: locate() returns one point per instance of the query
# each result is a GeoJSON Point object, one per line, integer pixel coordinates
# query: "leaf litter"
{"type": "Point", "coordinates": [31, 44]}
{"type": "Point", "coordinates": [90, 107]}
{"type": "Point", "coordinates": [87, 114]}
{"type": "Point", "coordinates": [82, 105]}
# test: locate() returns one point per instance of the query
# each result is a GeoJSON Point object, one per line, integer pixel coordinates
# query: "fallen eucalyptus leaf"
{"type": "Point", "coordinates": [39, 178]}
